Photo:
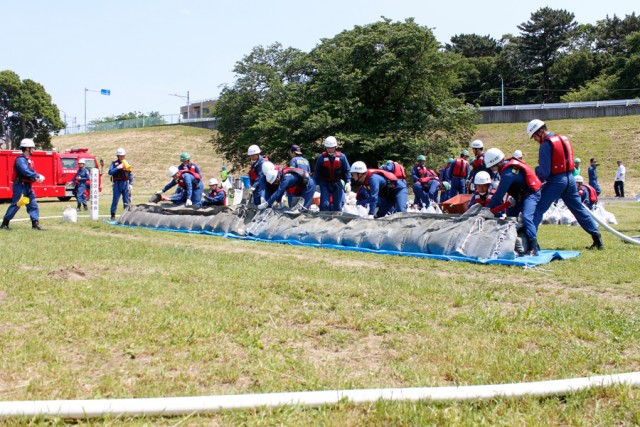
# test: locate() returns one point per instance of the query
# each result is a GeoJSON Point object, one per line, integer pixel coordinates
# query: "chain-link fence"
{"type": "Point", "coordinates": [141, 122]}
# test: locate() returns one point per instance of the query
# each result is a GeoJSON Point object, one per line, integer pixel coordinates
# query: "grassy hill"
{"type": "Point", "coordinates": [153, 150]}
{"type": "Point", "coordinates": [150, 151]}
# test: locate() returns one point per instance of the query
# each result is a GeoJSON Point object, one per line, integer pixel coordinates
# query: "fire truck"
{"type": "Point", "coordinates": [58, 170]}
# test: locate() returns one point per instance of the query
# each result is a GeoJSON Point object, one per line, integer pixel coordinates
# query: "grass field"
{"type": "Point", "coordinates": [89, 310]}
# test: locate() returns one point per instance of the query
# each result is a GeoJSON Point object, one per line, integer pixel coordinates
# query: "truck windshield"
{"type": "Point", "coordinates": [71, 163]}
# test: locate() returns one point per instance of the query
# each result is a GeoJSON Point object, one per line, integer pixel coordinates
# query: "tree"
{"type": "Point", "coordinates": [384, 90]}
{"type": "Point", "coordinates": [480, 80]}
{"type": "Point", "coordinates": [27, 111]}
{"type": "Point", "coordinates": [264, 106]}
{"type": "Point", "coordinates": [543, 40]}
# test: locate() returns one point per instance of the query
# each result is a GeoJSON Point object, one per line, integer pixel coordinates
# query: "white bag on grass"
{"type": "Point", "coordinates": [70, 215]}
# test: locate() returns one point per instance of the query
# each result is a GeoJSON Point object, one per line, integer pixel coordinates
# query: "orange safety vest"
{"type": "Point", "coordinates": [561, 155]}
{"type": "Point", "coordinates": [331, 170]}
{"type": "Point", "coordinates": [460, 168]}
{"type": "Point", "coordinates": [530, 177]}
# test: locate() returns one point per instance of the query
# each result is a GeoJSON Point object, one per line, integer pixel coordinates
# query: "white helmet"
{"type": "Point", "coordinates": [533, 127]}
{"type": "Point", "coordinates": [492, 157]}
{"type": "Point", "coordinates": [172, 170]}
{"type": "Point", "coordinates": [271, 176]}
{"type": "Point", "coordinates": [482, 177]}
{"type": "Point", "coordinates": [82, 161]}
{"type": "Point", "coordinates": [27, 143]}
{"type": "Point", "coordinates": [266, 167]}
{"type": "Point", "coordinates": [254, 149]}
{"type": "Point", "coordinates": [517, 154]}
{"type": "Point", "coordinates": [213, 181]}
{"type": "Point", "coordinates": [579, 178]}
{"type": "Point", "coordinates": [121, 152]}
{"type": "Point", "coordinates": [359, 167]}
{"type": "Point", "coordinates": [330, 141]}
{"type": "Point", "coordinates": [477, 144]}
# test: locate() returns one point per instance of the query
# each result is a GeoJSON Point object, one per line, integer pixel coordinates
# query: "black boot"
{"type": "Point", "coordinates": [597, 242]}
{"type": "Point", "coordinates": [533, 247]}
{"type": "Point", "coordinates": [5, 224]}
{"type": "Point", "coordinates": [35, 224]}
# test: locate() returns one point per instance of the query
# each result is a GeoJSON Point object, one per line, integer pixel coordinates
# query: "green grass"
{"type": "Point", "coordinates": [89, 310]}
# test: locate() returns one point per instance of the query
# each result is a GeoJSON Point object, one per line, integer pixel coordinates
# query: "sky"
{"type": "Point", "coordinates": [143, 51]}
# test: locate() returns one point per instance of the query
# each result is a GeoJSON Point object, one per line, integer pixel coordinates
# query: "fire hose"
{"type": "Point", "coordinates": [613, 231]}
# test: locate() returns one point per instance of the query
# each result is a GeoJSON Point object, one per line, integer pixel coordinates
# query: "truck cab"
{"type": "Point", "coordinates": [69, 159]}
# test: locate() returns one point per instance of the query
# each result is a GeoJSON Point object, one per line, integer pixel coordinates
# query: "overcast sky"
{"type": "Point", "coordinates": [145, 50]}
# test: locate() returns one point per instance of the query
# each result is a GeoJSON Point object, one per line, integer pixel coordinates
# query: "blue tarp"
{"type": "Point", "coordinates": [544, 256]}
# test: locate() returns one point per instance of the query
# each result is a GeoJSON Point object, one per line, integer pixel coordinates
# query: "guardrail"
{"type": "Point", "coordinates": [559, 111]}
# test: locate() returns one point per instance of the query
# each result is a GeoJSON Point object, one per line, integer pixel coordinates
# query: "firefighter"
{"type": "Point", "coordinates": [395, 168]}
{"type": "Point", "coordinates": [588, 194]}
{"type": "Point", "coordinates": [294, 181]}
{"type": "Point", "coordinates": [189, 191]}
{"type": "Point", "coordinates": [426, 188]}
{"type": "Point", "coordinates": [457, 174]}
{"type": "Point", "coordinates": [418, 171]}
{"type": "Point", "coordinates": [444, 194]}
{"type": "Point", "coordinates": [255, 172]}
{"type": "Point", "coordinates": [520, 182]}
{"type": "Point", "coordinates": [297, 161]}
{"type": "Point", "coordinates": [593, 175]}
{"type": "Point", "coordinates": [555, 170]}
{"type": "Point", "coordinates": [482, 194]}
{"type": "Point", "coordinates": [517, 154]}
{"type": "Point", "coordinates": [187, 164]}
{"type": "Point", "coordinates": [120, 172]}
{"type": "Point", "coordinates": [477, 165]}
{"type": "Point", "coordinates": [265, 188]}
{"type": "Point", "coordinates": [387, 193]}
{"type": "Point", "coordinates": [333, 175]}
{"type": "Point", "coordinates": [216, 196]}
{"type": "Point", "coordinates": [82, 180]}
{"type": "Point", "coordinates": [24, 176]}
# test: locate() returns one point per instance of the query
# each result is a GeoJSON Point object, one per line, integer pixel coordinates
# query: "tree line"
{"type": "Point", "coordinates": [389, 90]}
{"type": "Point", "coordinates": [552, 59]}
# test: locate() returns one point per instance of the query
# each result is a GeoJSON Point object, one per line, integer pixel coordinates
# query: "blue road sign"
{"type": "Point", "coordinates": [105, 92]}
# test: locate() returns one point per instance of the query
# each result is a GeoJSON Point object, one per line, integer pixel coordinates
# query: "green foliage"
{"type": "Point", "coordinates": [599, 88]}
{"type": "Point", "coordinates": [384, 90]}
{"type": "Point", "coordinates": [27, 111]}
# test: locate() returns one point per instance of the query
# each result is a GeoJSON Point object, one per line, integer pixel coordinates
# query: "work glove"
{"type": "Point", "coordinates": [370, 217]}
{"type": "Point", "coordinates": [159, 192]}
{"type": "Point", "coordinates": [165, 198]}
{"type": "Point", "coordinates": [512, 201]}
{"type": "Point", "coordinates": [252, 189]}
{"type": "Point", "coordinates": [130, 187]}
{"type": "Point", "coordinates": [347, 187]}
{"type": "Point", "coordinates": [40, 178]}
{"type": "Point", "coordinates": [120, 166]}
{"type": "Point", "coordinates": [262, 206]}
{"type": "Point", "coordinates": [188, 203]}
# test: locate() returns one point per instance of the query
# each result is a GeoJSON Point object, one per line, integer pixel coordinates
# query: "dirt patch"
{"type": "Point", "coordinates": [71, 273]}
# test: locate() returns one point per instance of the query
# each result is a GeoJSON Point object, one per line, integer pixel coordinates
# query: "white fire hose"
{"type": "Point", "coordinates": [200, 404]}
{"type": "Point", "coordinates": [611, 230]}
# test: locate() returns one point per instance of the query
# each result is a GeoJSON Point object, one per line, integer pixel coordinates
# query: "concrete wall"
{"type": "Point", "coordinates": [515, 116]}
{"type": "Point", "coordinates": [205, 124]}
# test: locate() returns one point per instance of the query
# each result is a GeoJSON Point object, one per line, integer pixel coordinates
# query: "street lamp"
{"type": "Point", "coordinates": [188, 104]}
{"type": "Point", "coordinates": [501, 88]}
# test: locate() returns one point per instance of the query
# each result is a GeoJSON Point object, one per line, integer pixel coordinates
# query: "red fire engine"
{"type": "Point", "coordinates": [58, 170]}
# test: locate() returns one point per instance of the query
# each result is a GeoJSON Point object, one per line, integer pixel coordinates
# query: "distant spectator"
{"type": "Point", "coordinates": [576, 166]}
{"type": "Point", "coordinates": [593, 175]}
{"type": "Point", "coordinates": [618, 184]}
